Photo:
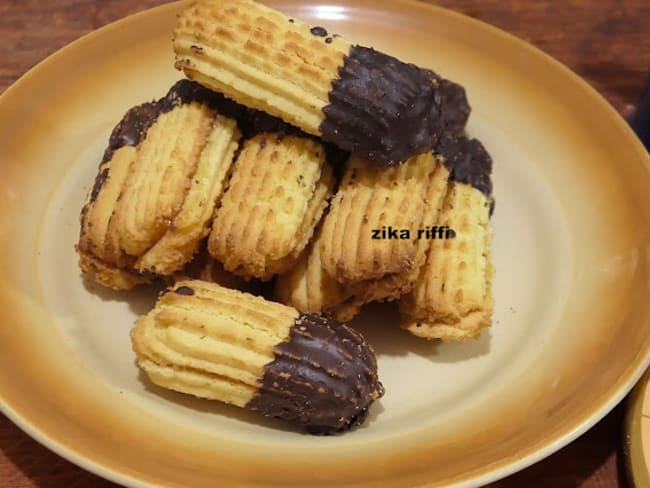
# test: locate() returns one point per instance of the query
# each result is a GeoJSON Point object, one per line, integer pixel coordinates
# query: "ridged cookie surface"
{"type": "Point", "coordinates": [360, 99]}
{"type": "Point", "coordinates": [225, 345]}
{"type": "Point", "coordinates": [160, 179]}
{"type": "Point", "coordinates": [207, 182]}
{"type": "Point", "coordinates": [259, 58]}
{"type": "Point", "coordinates": [452, 296]}
{"type": "Point", "coordinates": [310, 288]}
{"type": "Point", "coordinates": [277, 194]}
{"type": "Point", "coordinates": [99, 252]}
{"type": "Point", "coordinates": [355, 245]}
{"type": "Point", "coordinates": [392, 286]}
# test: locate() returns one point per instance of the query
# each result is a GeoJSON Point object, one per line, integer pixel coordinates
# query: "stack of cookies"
{"type": "Point", "coordinates": [335, 173]}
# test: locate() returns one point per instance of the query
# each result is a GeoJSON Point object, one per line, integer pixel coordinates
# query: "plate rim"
{"type": "Point", "coordinates": [504, 469]}
{"type": "Point", "coordinates": [70, 454]}
{"type": "Point", "coordinates": [636, 467]}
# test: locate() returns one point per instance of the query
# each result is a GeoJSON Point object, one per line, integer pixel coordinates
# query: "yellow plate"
{"type": "Point", "coordinates": [572, 241]}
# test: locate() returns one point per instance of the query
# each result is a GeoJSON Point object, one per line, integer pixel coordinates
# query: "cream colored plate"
{"type": "Point", "coordinates": [572, 242]}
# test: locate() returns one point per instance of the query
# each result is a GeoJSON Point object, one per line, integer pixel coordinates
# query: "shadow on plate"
{"type": "Point", "coordinates": [379, 324]}
{"type": "Point", "coordinates": [140, 299]}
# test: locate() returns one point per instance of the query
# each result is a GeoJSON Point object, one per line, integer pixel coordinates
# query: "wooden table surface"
{"type": "Point", "coordinates": [605, 41]}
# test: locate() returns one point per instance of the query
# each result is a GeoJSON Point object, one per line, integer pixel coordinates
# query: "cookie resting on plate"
{"type": "Point", "coordinates": [158, 184]}
{"type": "Point", "coordinates": [360, 99]}
{"type": "Point", "coordinates": [222, 344]}
{"type": "Point", "coordinates": [277, 194]}
{"type": "Point", "coordinates": [452, 296]}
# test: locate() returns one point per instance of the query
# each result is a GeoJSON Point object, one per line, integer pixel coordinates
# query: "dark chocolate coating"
{"type": "Point", "coordinates": [186, 91]}
{"type": "Point", "coordinates": [184, 290]}
{"type": "Point", "coordinates": [100, 179]}
{"type": "Point", "coordinates": [253, 122]}
{"type": "Point", "coordinates": [468, 162]}
{"type": "Point", "coordinates": [453, 106]}
{"type": "Point", "coordinates": [387, 110]}
{"type": "Point", "coordinates": [323, 378]}
{"type": "Point", "coordinates": [318, 31]}
{"type": "Point", "coordinates": [132, 128]}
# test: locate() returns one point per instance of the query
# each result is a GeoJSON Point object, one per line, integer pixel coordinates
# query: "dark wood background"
{"type": "Point", "coordinates": [605, 41]}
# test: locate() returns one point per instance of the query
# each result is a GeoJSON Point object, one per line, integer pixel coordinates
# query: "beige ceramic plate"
{"type": "Point", "coordinates": [571, 329]}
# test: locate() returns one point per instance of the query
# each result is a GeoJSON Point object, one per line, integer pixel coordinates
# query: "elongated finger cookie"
{"type": "Point", "coordinates": [367, 234]}
{"type": "Point", "coordinates": [162, 174]}
{"type": "Point", "coordinates": [360, 99]}
{"type": "Point", "coordinates": [97, 254]}
{"type": "Point", "coordinates": [277, 194]}
{"type": "Point", "coordinates": [393, 285]}
{"type": "Point", "coordinates": [452, 296]}
{"type": "Point", "coordinates": [310, 288]}
{"type": "Point", "coordinates": [180, 169]}
{"type": "Point", "coordinates": [98, 247]}
{"type": "Point", "coordinates": [225, 345]}
{"type": "Point", "coordinates": [179, 242]}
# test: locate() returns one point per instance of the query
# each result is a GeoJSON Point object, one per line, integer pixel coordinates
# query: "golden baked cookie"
{"type": "Point", "coordinates": [452, 297]}
{"type": "Point", "coordinates": [276, 196]}
{"type": "Point", "coordinates": [393, 285]}
{"type": "Point", "coordinates": [310, 288]}
{"type": "Point", "coordinates": [99, 254]}
{"type": "Point", "coordinates": [358, 98]}
{"type": "Point", "coordinates": [159, 181]}
{"type": "Point", "coordinates": [222, 344]}
{"type": "Point", "coordinates": [206, 183]}
{"type": "Point", "coordinates": [368, 232]}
